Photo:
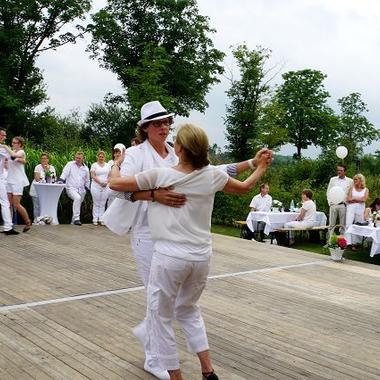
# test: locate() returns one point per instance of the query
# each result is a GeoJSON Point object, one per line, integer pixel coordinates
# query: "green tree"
{"type": "Point", "coordinates": [306, 117]}
{"type": "Point", "coordinates": [159, 50]}
{"type": "Point", "coordinates": [28, 28]}
{"type": "Point", "coordinates": [355, 130]}
{"type": "Point", "coordinates": [108, 124]}
{"type": "Point", "coordinates": [247, 97]}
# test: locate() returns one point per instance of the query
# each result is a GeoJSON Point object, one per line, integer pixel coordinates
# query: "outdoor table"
{"type": "Point", "coordinates": [274, 220]}
{"type": "Point", "coordinates": [48, 195]}
{"type": "Point", "coordinates": [367, 231]}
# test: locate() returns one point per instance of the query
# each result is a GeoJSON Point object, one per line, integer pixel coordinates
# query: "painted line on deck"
{"type": "Point", "coordinates": [139, 288]}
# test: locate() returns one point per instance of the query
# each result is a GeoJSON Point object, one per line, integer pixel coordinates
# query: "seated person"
{"type": "Point", "coordinates": [373, 207]}
{"type": "Point", "coordinates": [261, 202]}
{"type": "Point", "coordinates": [306, 217]}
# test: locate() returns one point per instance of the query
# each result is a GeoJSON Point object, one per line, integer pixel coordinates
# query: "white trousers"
{"type": "Point", "coordinates": [77, 198]}
{"type": "Point", "coordinates": [99, 200]}
{"type": "Point", "coordinates": [175, 286]}
{"type": "Point", "coordinates": [5, 207]}
{"type": "Point", "coordinates": [355, 213]}
{"type": "Point", "coordinates": [298, 224]}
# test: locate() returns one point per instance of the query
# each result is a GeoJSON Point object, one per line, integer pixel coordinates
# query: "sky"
{"type": "Point", "coordinates": [341, 38]}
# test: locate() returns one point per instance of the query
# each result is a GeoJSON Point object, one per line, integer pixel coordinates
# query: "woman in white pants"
{"type": "Point", "coordinates": [99, 187]}
{"type": "Point", "coordinates": [356, 198]}
{"type": "Point", "coordinates": [182, 245]}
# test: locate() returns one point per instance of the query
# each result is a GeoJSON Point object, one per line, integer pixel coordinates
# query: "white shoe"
{"type": "Point", "coordinates": [95, 222]}
{"type": "Point", "coordinates": [152, 367]}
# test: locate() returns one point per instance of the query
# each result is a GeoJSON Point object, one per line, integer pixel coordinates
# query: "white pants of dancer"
{"type": "Point", "coordinates": [99, 200]}
{"type": "Point", "coordinates": [175, 286]}
{"type": "Point", "coordinates": [5, 207]}
{"type": "Point", "coordinates": [77, 198]}
{"type": "Point", "coordinates": [355, 213]}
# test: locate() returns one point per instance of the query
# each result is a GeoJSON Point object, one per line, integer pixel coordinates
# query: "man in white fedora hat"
{"type": "Point", "coordinates": [153, 152]}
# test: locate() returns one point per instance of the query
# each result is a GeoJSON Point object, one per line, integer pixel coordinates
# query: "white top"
{"type": "Point", "coordinates": [261, 203]}
{"type": "Point", "coordinates": [311, 210]}
{"type": "Point", "coordinates": [77, 177]}
{"type": "Point", "coordinates": [4, 154]}
{"type": "Point", "coordinates": [101, 172]}
{"type": "Point", "coordinates": [189, 224]}
{"type": "Point", "coordinates": [16, 171]}
{"type": "Point", "coordinates": [137, 159]}
{"type": "Point", "coordinates": [40, 169]}
{"type": "Point", "coordinates": [345, 183]}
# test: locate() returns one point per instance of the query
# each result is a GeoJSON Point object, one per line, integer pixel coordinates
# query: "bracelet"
{"type": "Point", "coordinates": [152, 195]}
{"type": "Point", "coordinates": [128, 196]}
{"type": "Point", "coordinates": [250, 164]}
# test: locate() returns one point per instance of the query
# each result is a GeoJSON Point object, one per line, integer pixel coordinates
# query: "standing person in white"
{"type": "Point", "coordinates": [153, 152]}
{"type": "Point", "coordinates": [338, 211]}
{"type": "Point", "coordinates": [99, 187]}
{"type": "Point", "coordinates": [17, 179]}
{"type": "Point", "coordinates": [4, 201]}
{"type": "Point", "coordinates": [77, 178]}
{"type": "Point", "coordinates": [116, 154]}
{"type": "Point", "coordinates": [41, 172]}
{"type": "Point", "coordinates": [182, 245]}
{"type": "Point", "coordinates": [356, 198]}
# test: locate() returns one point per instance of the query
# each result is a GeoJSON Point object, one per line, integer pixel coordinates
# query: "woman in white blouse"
{"type": "Point", "coordinates": [43, 172]}
{"type": "Point", "coordinates": [17, 179]}
{"type": "Point", "coordinates": [182, 245]}
{"type": "Point", "coordinates": [99, 187]}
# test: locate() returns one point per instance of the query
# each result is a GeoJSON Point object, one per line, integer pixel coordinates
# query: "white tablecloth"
{"type": "Point", "coordinates": [367, 231]}
{"type": "Point", "coordinates": [48, 195]}
{"type": "Point", "coordinates": [275, 220]}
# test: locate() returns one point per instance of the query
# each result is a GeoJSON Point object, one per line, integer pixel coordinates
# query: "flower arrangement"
{"type": "Point", "coordinates": [47, 173]}
{"type": "Point", "coordinates": [276, 203]}
{"type": "Point", "coordinates": [337, 242]}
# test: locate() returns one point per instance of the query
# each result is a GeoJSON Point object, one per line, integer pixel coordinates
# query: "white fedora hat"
{"type": "Point", "coordinates": [153, 111]}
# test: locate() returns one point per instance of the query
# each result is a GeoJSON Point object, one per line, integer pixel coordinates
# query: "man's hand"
{"type": "Point", "coordinates": [168, 197]}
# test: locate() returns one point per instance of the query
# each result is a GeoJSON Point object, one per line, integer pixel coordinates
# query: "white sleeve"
{"type": "Point", "coordinates": [132, 163]}
{"type": "Point", "coordinates": [37, 169]}
{"type": "Point", "coordinates": [253, 202]}
{"type": "Point", "coordinates": [220, 179]}
{"type": "Point", "coordinates": [93, 167]}
{"type": "Point", "coordinates": [66, 171]}
{"type": "Point", "coordinates": [148, 179]}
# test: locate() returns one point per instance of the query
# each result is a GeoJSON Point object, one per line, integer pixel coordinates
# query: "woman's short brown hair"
{"type": "Point", "coordinates": [308, 193]}
{"type": "Point", "coordinates": [20, 139]}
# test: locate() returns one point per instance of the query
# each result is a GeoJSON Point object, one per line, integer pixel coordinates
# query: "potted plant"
{"type": "Point", "coordinates": [336, 246]}
{"type": "Point", "coordinates": [276, 205]}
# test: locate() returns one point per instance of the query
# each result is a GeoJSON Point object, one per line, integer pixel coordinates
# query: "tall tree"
{"type": "Point", "coordinates": [306, 117]}
{"type": "Point", "coordinates": [247, 95]}
{"type": "Point", "coordinates": [355, 130]}
{"type": "Point", "coordinates": [27, 28]}
{"type": "Point", "coordinates": [159, 50]}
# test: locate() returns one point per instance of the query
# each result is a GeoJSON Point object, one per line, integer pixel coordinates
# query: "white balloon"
{"type": "Point", "coordinates": [336, 195]}
{"type": "Point", "coordinates": [341, 152]}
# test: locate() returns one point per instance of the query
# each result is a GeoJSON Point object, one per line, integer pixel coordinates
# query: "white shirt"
{"type": "Point", "coordinates": [77, 177]}
{"type": "Point", "coordinates": [41, 171]}
{"type": "Point", "coordinates": [345, 183]}
{"type": "Point", "coordinates": [4, 154]}
{"type": "Point", "coordinates": [190, 224]}
{"type": "Point", "coordinates": [310, 211]}
{"type": "Point", "coordinates": [101, 172]}
{"type": "Point", "coordinates": [16, 171]}
{"type": "Point", "coordinates": [261, 203]}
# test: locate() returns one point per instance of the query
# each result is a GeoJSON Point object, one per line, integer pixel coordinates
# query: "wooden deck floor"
{"type": "Point", "coordinates": [70, 295]}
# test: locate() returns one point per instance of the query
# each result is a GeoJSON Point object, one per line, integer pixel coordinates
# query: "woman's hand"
{"type": "Point", "coordinates": [168, 197]}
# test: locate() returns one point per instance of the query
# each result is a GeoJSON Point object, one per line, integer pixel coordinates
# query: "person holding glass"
{"type": "Point", "coordinates": [43, 172]}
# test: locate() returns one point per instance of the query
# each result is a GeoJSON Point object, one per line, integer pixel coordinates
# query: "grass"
{"type": "Point", "coordinates": [301, 243]}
